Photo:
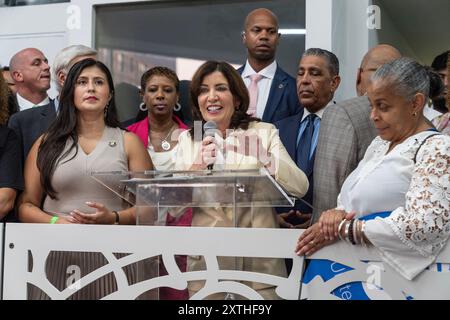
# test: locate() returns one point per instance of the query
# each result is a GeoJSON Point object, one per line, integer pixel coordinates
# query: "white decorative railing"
{"type": "Point", "coordinates": [353, 266]}
{"type": "Point", "coordinates": [143, 242]}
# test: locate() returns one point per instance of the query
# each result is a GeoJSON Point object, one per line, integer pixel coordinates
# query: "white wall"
{"type": "Point", "coordinates": [42, 27]}
{"type": "Point", "coordinates": [47, 27]}
{"type": "Point", "coordinates": [318, 22]}
{"type": "Point", "coordinates": [350, 37]}
{"type": "Point", "coordinates": [34, 26]}
{"type": "Point", "coordinates": [339, 26]}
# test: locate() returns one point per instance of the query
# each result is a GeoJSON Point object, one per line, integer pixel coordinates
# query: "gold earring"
{"type": "Point", "coordinates": [414, 113]}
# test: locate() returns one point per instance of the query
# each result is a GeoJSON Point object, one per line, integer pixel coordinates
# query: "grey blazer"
{"type": "Point", "coordinates": [345, 133]}
{"type": "Point", "coordinates": [31, 123]}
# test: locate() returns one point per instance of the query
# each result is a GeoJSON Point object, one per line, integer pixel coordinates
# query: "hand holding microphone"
{"type": "Point", "coordinates": [209, 147]}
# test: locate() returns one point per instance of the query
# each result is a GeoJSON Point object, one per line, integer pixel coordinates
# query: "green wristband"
{"type": "Point", "coordinates": [54, 219]}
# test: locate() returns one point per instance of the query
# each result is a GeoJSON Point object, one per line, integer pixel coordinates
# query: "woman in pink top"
{"type": "Point", "coordinates": [159, 133]}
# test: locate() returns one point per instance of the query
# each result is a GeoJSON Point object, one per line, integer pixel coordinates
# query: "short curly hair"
{"type": "Point", "coordinates": [160, 71]}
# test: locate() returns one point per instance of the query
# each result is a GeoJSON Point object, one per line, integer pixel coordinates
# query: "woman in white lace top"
{"type": "Point", "coordinates": [405, 174]}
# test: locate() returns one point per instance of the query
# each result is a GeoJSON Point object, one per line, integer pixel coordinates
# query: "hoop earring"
{"type": "Point", "coordinates": [143, 107]}
{"type": "Point", "coordinates": [177, 107]}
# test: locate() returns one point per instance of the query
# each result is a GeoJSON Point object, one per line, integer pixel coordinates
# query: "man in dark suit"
{"type": "Point", "coordinates": [317, 81]}
{"type": "Point", "coordinates": [30, 71]}
{"type": "Point", "coordinates": [275, 92]}
{"type": "Point", "coordinates": [346, 132]}
{"type": "Point", "coordinates": [31, 123]}
{"type": "Point", "coordinates": [11, 173]}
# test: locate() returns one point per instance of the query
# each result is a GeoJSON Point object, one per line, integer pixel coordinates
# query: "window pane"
{"type": "Point", "coordinates": [180, 35]}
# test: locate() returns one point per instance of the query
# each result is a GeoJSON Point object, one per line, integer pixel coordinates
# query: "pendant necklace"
{"type": "Point", "coordinates": [165, 145]}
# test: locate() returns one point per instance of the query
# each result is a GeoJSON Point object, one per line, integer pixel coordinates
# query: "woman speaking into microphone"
{"type": "Point", "coordinates": [219, 95]}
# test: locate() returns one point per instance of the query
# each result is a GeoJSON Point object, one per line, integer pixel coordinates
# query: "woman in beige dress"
{"type": "Point", "coordinates": [85, 137]}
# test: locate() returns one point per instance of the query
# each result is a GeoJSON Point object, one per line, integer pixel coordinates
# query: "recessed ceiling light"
{"type": "Point", "coordinates": [292, 31]}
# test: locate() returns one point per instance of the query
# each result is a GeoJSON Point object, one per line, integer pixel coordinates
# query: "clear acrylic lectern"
{"type": "Point", "coordinates": [243, 198]}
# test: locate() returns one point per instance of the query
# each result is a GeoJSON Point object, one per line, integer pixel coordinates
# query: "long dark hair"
{"type": "Point", "coordinates": [240, 118]}
{"type": "Point", "coordinates": [65, 125]}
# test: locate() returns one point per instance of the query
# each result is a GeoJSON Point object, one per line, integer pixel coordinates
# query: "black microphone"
{"type": "Point", "coordinates": [209, 129]}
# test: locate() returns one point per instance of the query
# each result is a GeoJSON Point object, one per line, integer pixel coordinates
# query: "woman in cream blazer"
{"type": "Point", "coordinates": [241, 142]}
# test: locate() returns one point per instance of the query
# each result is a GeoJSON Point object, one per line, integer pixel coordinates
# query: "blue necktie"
{"type": "Point", "coordinates": [305, 144]}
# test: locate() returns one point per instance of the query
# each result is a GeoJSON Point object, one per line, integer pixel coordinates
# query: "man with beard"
{"type": "Point", "coordinates": [273, 94]}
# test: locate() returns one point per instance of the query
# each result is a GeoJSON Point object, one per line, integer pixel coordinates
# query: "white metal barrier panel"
{"type": "Point", "coordinates": [344, 271]}
{"type": "Point", "coordinates": [29, 245]}
{"type": "Point", "coordinates": [340, 271]}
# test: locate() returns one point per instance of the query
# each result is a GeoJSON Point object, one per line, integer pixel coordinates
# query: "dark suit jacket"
{"type": "Point", "coordinates": [288, 129]}
{"type": "Point", "coordinates": [283, 100]}
{"type": "Point", "coordinates": [31, 123]}
{"type": "Point", "coordinates": [11, 169]}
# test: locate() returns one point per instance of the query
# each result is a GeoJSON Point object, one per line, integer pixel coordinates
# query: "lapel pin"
{"type": "Point", "coordinates": [112, 143]}
{"type": "Point", "coordinates": [281, 86]}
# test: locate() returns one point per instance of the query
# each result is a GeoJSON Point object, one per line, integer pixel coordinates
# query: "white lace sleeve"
{"type": "Point", "coordinates": [412, 236]}
{"type": "Point", "coordinates": [424, 224]}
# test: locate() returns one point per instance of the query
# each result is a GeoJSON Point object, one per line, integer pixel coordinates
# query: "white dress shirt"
{"type": "Point", "coordinates": [24, 104]}
{"type": "Point", "coordinates": [264, 84]}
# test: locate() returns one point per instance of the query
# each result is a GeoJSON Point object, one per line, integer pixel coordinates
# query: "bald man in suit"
{"type": "Point", "coordinates": [277, 94]}
{"type": "Point", "coordinates": [29, 124]}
